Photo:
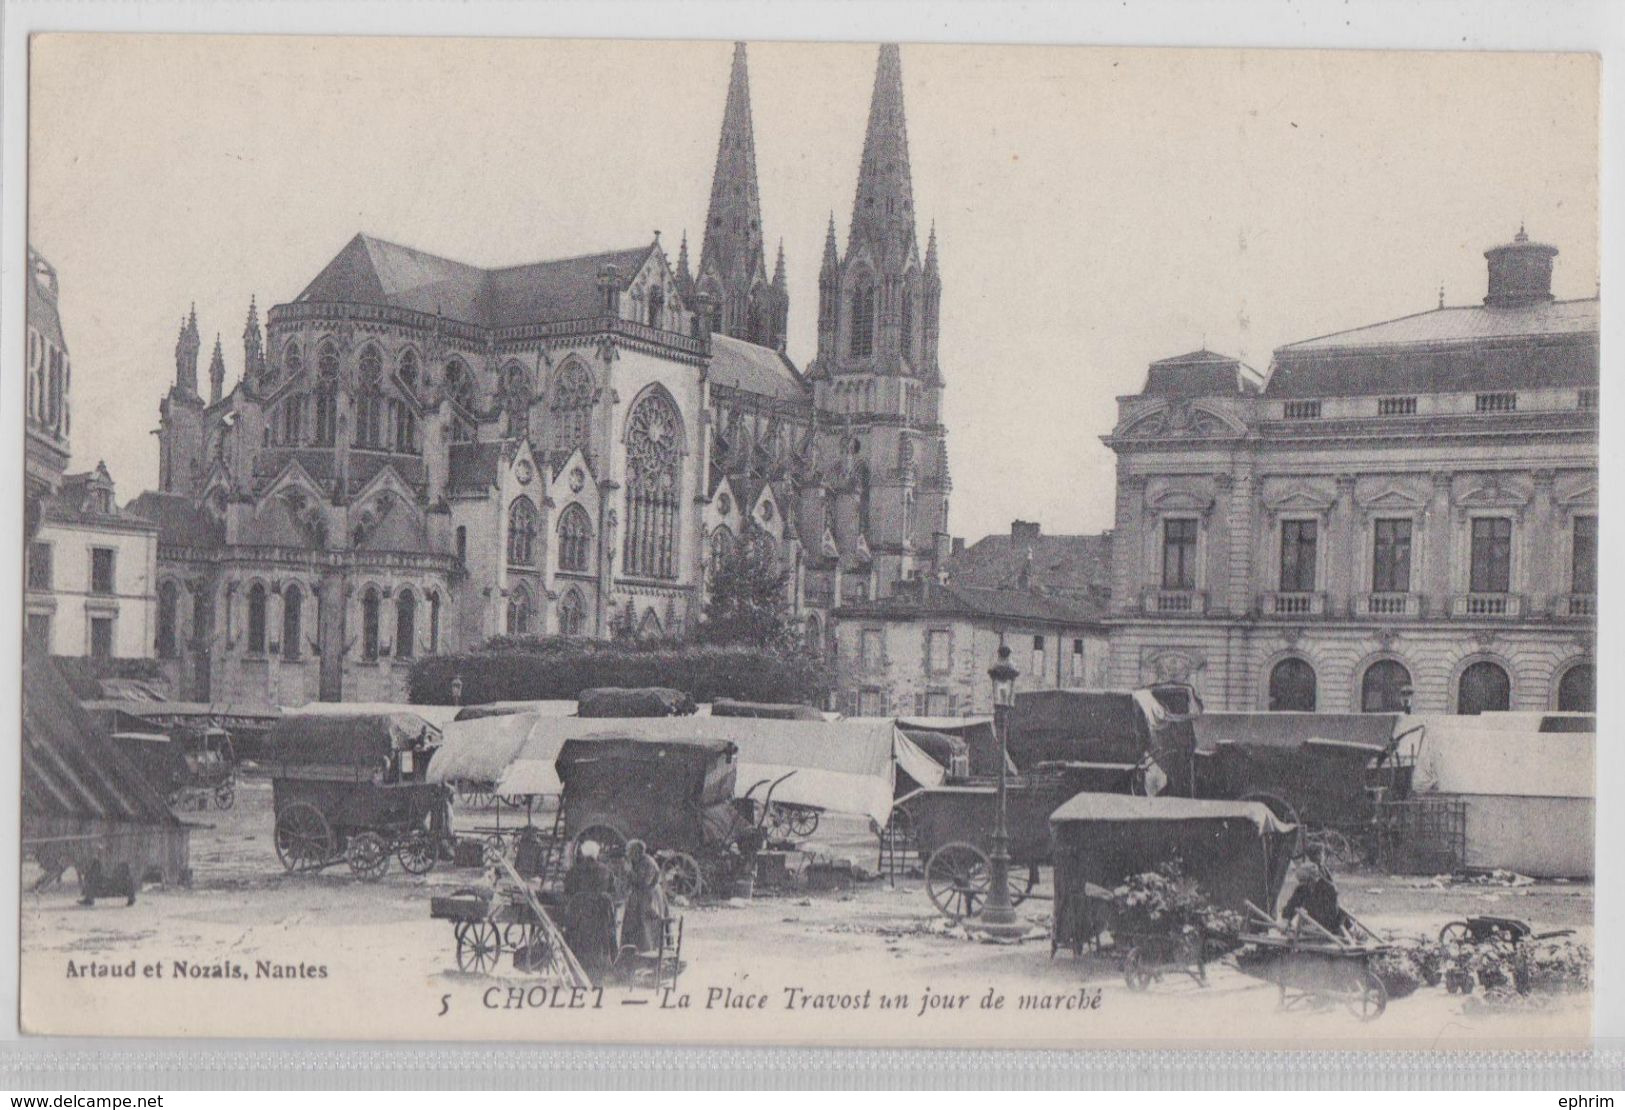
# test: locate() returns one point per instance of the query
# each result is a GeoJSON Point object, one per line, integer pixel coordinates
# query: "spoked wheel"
{"type": "Point", "coordinates": [225, 796]}
{"type": "Point", "coordinates": [494, 850]}
{"type": "Point", "coordinates": [1455, 933]}
{"type": "Point", "coordinates": [1333, 848]}
{"type": "Point", "coordinates": [417, 853]}
{"type": "Point", "coordinates": [610, 840]}
{"type": "Point", "coordinates": [1370, 998]}
{"type": "Point", "coordinates": [304, 839]}
{"type": "Point", "coordinates": [1019, 890]}
{"type": "Point", "coordinates": [682, 875]}
{"type": "Point", "coordinates": [535, 952]}
{"type": "Point", "coordinates": [478, 948]}
{"type": "Point", "coordinates": [956, 879]}
{"type": "Point", "coordinates": [368, 856]}
{"type": "Point", "coordinates": [1136, 973]}
{"type": "Point", "coordinates": [512, 801]}
{"type": "Point", "coordinates": [803, 821]}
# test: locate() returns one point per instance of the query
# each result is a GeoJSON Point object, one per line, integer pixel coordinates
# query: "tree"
{"type": "Point", "coordinates": [749, 600]}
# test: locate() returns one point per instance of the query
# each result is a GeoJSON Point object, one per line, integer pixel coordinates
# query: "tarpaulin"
{"type": "Point", "coordinates": [1459, 755]}
{"type": "Point", "coordinates": [436, 715]}
{"type": "Point", "coordinates": [1128, 807]}
{"type": "Point", "coordinates": [1284, 729]}
{"type": "Point", "coordinates": [481, 749]}
{"type": "Point", "coordinates": [346, 739]}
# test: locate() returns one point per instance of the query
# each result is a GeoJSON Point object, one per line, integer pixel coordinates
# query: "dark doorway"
{"type": "Point", "coordinates": [1484, 688]}
{"type": "Point", "coordinates": [1292, 686]}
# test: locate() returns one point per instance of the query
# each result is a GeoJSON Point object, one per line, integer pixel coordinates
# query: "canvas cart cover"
{"type": "Point", "coordinates": [709, 762]}
{"type": "Point", "coordinates": [841, 766]}
{"type": "Point", "coordinates": [727, 707]}
{"type": "Point", "coordinates": [1459, 755]}
{"type": "Point", "coordinates": [1076, 726]}
{"type": "Point", "coordinates": [647, 701]}
{"type": "Point", "coordinates": [977, 732]}
{"type": "Point", "coordinates": [1235, 850]}
{"type": "Point", "coordinates": [351, 741]}
{"type": "Point", "coordinates": [1370, 730]}
{"type": "Point", "coordinates": [546, 708]}
{"type": "Point", "coordinates": [480, 749]}
{"type": "Point", "coordinates": [436, 715]}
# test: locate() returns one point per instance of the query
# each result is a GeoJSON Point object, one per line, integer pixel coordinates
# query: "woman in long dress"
{"type": "Point", "coordinates": [644, 920]}
{"type": "Point", "coordinates": [589, 911]}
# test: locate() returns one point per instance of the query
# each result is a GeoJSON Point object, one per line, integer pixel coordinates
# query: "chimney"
{"type": "Point", "coordinates": [941, 549]}
{"type": "Point", "coordinates": [1024, 531]}
{"type": "Point", "coordinates": [1520, 273]}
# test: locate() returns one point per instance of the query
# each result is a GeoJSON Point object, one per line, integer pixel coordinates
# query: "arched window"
{"type": "Point", "coordinates": [654, 462]}
{"type": "Point", "coordinates": [813, 635]}
{"type": "Point", "coordinates": [327, 395]}
{"type": "Point", "coordinates": [1577, 689]}
{"type": "Point", "coordinates": [572, 613]}
{"type": "Point", "coordinates": [657, 307]}
{"type": "Point", "coordinates": [516, 400]}
{"type": "Point", "coordinates": [293, 619]}
{"type": "Point", "coordinates": [863, 319]}
{"type": "Point", "coordinates": [293, 419]}
{"type": "Point", "coordinates": [408, 371]}
{"type": "Point", "coordinates": [369, 401]}
{"type": "Point", "coordinates": [406, 616]}
{"type": "Point", "coordinates": [1292, 686]}
{"type": "Point", "coordinates": [256, 619]}
{"type": "Point", "coordinates": [519, 612]}
{"type": "Point", "coordinates": [292, 360]}
{"type": "Point", "coordinates": [1385, 688]}
{"type": "Point", "coordinates": [168, 612]}
{"type": "Point", "coordinates": [460, 385]}
{"type": "Point", "coordinates": [369, 624]}
{"type": "Point", "coordinates": [721, 545]}
{"type": "Point", "coordinates": [575, 539]}
{"type": "Point", "coordinates": [572, 408]}
{"type": "Point", "coordinates": [1483, 688]}
{"type": "Point", "coordinates": [406, 430]}
{"type": "Point", "coordinates": [522, 532]}
{"type": "Point", "coordinates": [434, 622]}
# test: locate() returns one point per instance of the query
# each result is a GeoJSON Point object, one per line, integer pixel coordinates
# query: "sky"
{"type": "Point", "coordinates": [1096, 208]}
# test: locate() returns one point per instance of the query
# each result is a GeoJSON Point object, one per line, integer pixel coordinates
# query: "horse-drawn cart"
{"type": "Point", "coordinates": [351, 789]}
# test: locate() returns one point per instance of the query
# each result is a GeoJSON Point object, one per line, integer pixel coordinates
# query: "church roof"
{"type": "Point", "coordinates": [373, 271]}
{"type": "Point", "coordinates": [753, 369]}
{"type": "Point", "coordinates": [474, 467]}
{"type": "Point", "coordinates": [1201, 373]}
{"type": "Point", "coordinates": [181, 521]}
{"type": "Point", "coordinates": [1547, 344]}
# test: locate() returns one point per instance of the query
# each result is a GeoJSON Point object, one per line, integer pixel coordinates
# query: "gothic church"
{"type": "Point", "coordinates": [420, 454]}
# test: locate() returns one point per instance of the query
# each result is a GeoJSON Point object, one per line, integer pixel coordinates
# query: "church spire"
{"type": "Point", "coordinates": [883, 210]}
{"type": "Point", "coordinates": [731, 258]}
{"type": "Point", "coordinates": [217, 372]}
{"type": "Point", "coordinates": [253, 344]}
{"type": "Point", "coordinates": [186, 349]}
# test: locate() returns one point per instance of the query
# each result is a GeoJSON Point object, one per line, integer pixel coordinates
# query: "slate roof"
{"type": "Point", "coordinates": [374, 271]}
{"type": "Point", "coordinates": [927, 598]}
{"type": "Point", "coordinates": [71, 504]}
{"type": "Point", "coordinates": [1201, 373]}
{"type": "Point", "coordinates": [181, 521]}
{"type": "Point", "coordinates": [474, 467]}
{"type": "Point", "coordinates": [753, 369]}
{"type": "Point", "coordinates": [1078, 565]}
{"type": "Point", "coordinates": [1448, 350]}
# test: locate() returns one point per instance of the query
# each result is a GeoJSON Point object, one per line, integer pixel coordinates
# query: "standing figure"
{"type": "Point", "coordinates": [589, 911]}
{"type": "Point", "coordinates": [644, 921]}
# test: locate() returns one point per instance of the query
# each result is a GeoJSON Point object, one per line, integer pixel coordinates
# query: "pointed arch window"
{"type": "Point", "coordinates": [572, 613]}
{"type": "Point", "coordinates": [657, 307]}
{"type": "Point", "coordinates": [516, 400]}
{"type": "Point", "coordinates": [256, 619]}
{"type": "Point", "coordinates": [369, 404]}
{"type": "Point", "coordinates": [369, 624]}
{"type": "Point", "coordinates": [572, 408]}
{"type": "Point", "coordinates": [654, 461]}
{"type": "Point", "coordinates": [434, 622]}
{"type": "Point", "coordinates": [519, 612]}
{"type": "Point", "coordinates": [292, 360]}
{"type": "Point", "coordinates": [522, 532]}
{"type": "Point", "coordinates": [408, 369]}
{"type": "Point", "coordinates": [575, 539]}
{"type": "Point", "coordinates": [460, 385]}
{"type": "Point", "coordinates": [327, 395]}
{"type": "Point", "coordinates": [293, 618]}
{"type": "Point", "coordinates": [863, 319]}
{"type": "Point", "coordinates": [814, 636]}
{"type": "Point", "coordinates": [168, 612]}
{"type": "Point", "coordinates": [406, 617]}
{"type": "Point", "coordinates": [721, 546]}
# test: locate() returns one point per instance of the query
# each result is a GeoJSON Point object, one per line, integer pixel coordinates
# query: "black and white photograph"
{"type": "Point", "coordinates": [865, 544]}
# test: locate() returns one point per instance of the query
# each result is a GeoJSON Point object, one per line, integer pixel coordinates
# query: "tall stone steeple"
{"type": "Point", "coordinates": [733, 268]}
{"type": "Point", "coordinates": [883, 210]}
{"type": "Point", "coordinates": [253, 345]}
{"type": "Point", "coordinates": [187, 345]}
{"type": "Point", "coordinates": [217, 372]}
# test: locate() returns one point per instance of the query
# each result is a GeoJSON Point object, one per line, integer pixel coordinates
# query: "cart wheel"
{"type": "Point", "coordinates": [368, 856]}
{"type": "Point", "coordinates": [1456, 932]}
{"type": "Point", "coordinates": [535, 952]}
{"type": "Point", "coordinates": [682, 875]}
{"type": "Point", "coordinates": [512, 801]}
{"type": "Point", "coordinates": [1135, 972]}
{"type": "Point", "coordinates": [609, 839]}
{"type": "Point", "coordinates": [780, 821]}
{"type": "Point", "coordinates": [514, 935]}
{"type": "Point", "coordinates": [1020, 891]}
{"type": "Point", "coordinates": [956, 880]}
{"type": "Point", "coordinates": [304, 839]}
{"type": "Point", "coordinates": [417, 853]}
{"type": "Point", "coordinates": [478, 948]}
{"type": "Point", "coordinates": [803, 821]}
{"type": "Point", "coordinates": [1370, 998]}
{"type": "Point", "coordinates": [225, 796]}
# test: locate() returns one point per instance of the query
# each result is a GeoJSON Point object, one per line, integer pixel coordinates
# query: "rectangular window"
{"type": "Point", "coordinates": [101, 570]}
{"type": "Point", "coordinates": [1588, 400]}
{"type": "Point", "coordinates": [1585, 555]}
{"type": "Point", "coordinates": [39, 629]}
{"type": "Point", "coordinates": [39, 566]}
{"type": "Point", "coordinates": [1301, 410]}
{"type": "Point", "coordinates": [1396, 406]}
{"type": "Point", "coordinates": [1077, 659]}
{"type": "Point", "coordinates": [1039, 667]}
{"type": "Point", "coordinates": [938, 704]}
{"type": "Point", "coordinates": [938, 653]}
{"type": "Point", "coordinates": [1391, 556]}
{"type": "Point", "coordinates": [101, 637]}
{"type": "Point", "coordinates": [873, 647]}
{"type": "Point", "coordinates": [1497, 402]}
{"type": "Point", "coordinates": [1179, 554]}
{"type": "Point", "coordinates": [1492, 556]}
{"type": "Point", "coordinates": [1298, 539]}
{"type": "Point", "coordinates": [871, 702]}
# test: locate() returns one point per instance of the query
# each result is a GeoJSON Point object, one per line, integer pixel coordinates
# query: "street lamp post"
{"type": "Point", "coordinates": [998, 918]}
{"type": "Point", "coordinates": [457, 689]}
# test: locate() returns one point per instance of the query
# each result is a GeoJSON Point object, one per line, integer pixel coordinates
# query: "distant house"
{"type": "Point", "coordinates": [1076, 566]}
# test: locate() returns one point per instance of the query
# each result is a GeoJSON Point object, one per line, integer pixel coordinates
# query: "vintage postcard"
{"type": "Point", "coordinates": [820, 544]}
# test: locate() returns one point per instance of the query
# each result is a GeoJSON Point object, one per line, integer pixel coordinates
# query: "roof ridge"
{"type": "Point", "coordinates": [572, 258]}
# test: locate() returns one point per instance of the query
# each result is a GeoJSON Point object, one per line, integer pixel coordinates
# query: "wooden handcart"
{"type": "Point", "coordinates": [1311, 965]}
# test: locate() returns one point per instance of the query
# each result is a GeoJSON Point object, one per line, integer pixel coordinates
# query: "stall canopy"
{"type": "Point", "coordinates": [841, 766]}
{"type": "Point", "coordinates": [436, 715]}
{"type": "Point", "coordinates": [1460, 755]}
{"type": "Point", "coordinates": [551, 708]}
{"type": "Point", "coordinates": [1236, 851]}
{"type": "Point", "coordinates": [480, 749]}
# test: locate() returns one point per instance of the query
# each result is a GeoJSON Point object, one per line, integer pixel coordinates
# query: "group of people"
{"type": "Point", "coordinates": [591, 891]}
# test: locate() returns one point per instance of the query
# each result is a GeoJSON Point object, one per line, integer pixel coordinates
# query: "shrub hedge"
{"type": "Point", "coordinates": [515, 669]}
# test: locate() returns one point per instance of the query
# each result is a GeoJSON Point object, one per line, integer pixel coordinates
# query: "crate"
{"type": "Point", "coordinates": [1422, 836]}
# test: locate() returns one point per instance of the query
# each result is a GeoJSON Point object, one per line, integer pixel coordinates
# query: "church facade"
{"type": "Point", "coordinates": [420, 454]}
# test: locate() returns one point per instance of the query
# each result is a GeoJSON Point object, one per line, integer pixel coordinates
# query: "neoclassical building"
{"type": "Point", "coordinates": [1403, 513]}
{"type": "Point", "coordinates": [419, 453]}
